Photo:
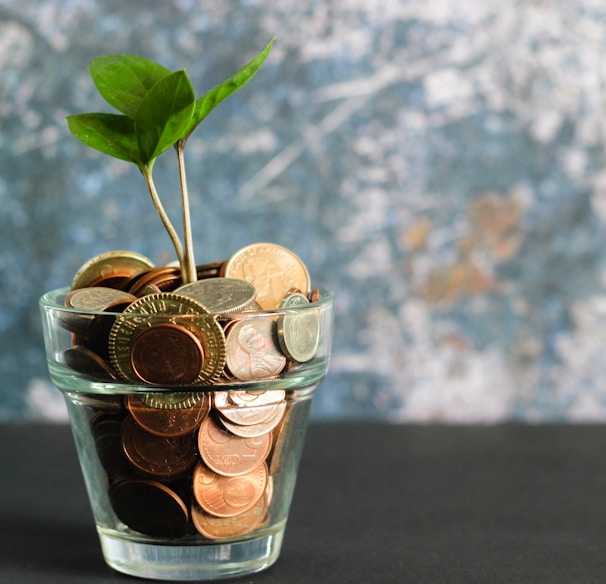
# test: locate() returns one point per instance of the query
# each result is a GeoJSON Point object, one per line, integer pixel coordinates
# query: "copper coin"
{"type": "Point", "coordinates": [230, 455]}
{"type": "Point", "coordinates": [228, 496]}
{"type": "Point", "coordinates": [169, 308]}
{"type": "Point", "coordinates": [165, 278]}
{"type": "Point", "coordinates": [85, 361]}
{"type": "Point", "coordinates": [160, 456]}
{"type": "Point", "coordinates": [213, 527]}
{"type": "Point", "coordinates": [166, 354]}
{"type": "Point", "coordinates": [272, 269]}
{"type": "Point", "coordinates": [166, 422]}
{"type": "Point", "coordinates": [150, 508]}
{"type": "Point", "coordinates": [110, 267]}
{"type": "Point", "coordinates": [251, 351]}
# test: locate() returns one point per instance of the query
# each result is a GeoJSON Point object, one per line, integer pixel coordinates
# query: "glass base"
{"type": "Point", "coordinates": [191, 562]}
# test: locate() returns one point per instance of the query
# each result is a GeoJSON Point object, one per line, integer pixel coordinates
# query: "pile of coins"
{"type": "Point", "coordinates": [174, 334]}
{"type": "Point", "coordinates": [193, 462]}
{"type": "Point", "coordinates": [201, 463]}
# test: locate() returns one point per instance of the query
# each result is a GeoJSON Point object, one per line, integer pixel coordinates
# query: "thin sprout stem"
{"type": "Point", "coordinates": [190, 273]}
{"type": "Point", "coordinates": [172, 233]}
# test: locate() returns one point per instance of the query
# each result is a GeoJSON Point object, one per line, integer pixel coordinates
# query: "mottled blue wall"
{"type": "Point", "coordinates": [439, 164]}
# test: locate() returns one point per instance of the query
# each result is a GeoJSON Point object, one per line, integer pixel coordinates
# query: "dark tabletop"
{"type": "Point", "coordinates": [374, 503]}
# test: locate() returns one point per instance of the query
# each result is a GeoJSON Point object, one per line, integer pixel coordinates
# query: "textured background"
{"type": "Point", "coordinates": [439, 165]}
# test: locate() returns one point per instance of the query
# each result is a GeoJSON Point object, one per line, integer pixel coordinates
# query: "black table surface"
{"type": "Point", "coordinates": [373, 503]}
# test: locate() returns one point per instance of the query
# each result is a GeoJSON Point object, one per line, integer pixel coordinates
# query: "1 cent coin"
{"type": "Point", "coordinates": [228, 496]}
{"type": "Point", "coordinates": [231, 455]}
{"type": "Point", "coordinates": [160, 456]}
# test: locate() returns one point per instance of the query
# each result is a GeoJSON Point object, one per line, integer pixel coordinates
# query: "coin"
{"type": "Point", "coordinates": [213, 527]}
{"type": "Point", "coordinates": [271, 269]}
{"type": "Point", "coordinates": [87, 362]}
{"type": "Point", "coordinates": [220, 294]}
{"type": "Point", "coordinates": [172, 400]}
{"type": "Point", "coordinates": [166, 354]}
{"type": "Point", "coordinates": [150, 508]}
{"type": "Point", "coordinates": [299, 330]}
{"type": "Point", "coordinates": [255, 397]}
{"type": "Point", "coordinates": [99, 299]}
{"type": "Point", "coordinates": [255, 410]}
{"type": "Point", "coordinates": [224, 496]}
{"type": "Point", "coordinates": [166, 422]}
{"type": "Point", "coordinates": [110, 267]}
{"type": "Point", "coordinates": [199, 331]}
{"type": "Point", "coordinates": [163, 278]}
{"type": "Point", "coordinates": [275, 413]}
{"type": "Point", "coordinates": [230, 455]}
{"type": "Point", "coordinates": [165, 457]}
{"type": "Point", "coordinates": [251, 351]}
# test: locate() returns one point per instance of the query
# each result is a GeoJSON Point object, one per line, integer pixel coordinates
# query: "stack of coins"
{"type": "Point", "coordinates": [138, 323]}
{"type": "Point", "coordinates": [186, 462]}
{"type": "Point", "coordinates": [191, 461]}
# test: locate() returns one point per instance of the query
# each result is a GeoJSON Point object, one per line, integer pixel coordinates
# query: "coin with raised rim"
{"type": "Point", "coordinates": [272, 269]}
{"type": "Point", "coordinates": [224, 295]}
{"type": "Point", "coordinates": [231, 455]}
{"type": "Point", "coordinates": [149, 507]}
{"type": "Point", "coordinates": [213, 527]}
{"type": "Point", "coordinates": [167, 308]}
{"type": "Point", "coordinates": [228, 496]}
{"type": "Point", "coordinates": [252, 353]}
{"type": "Point", "coordinates": [299, 330]}
{"type": "Point", "coordinates": [111, 266]}
{"type": "Point", "coordinates": [163, 457]}
{"type": "Point", "coordinates": [167, 422]}
{"type": "Point", "coordinates": [265, 426]}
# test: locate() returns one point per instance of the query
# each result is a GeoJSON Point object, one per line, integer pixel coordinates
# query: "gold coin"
{"type": "Point", "coordinates": [109, 267]}
{"type": "Point", "coordinates": [174, 400]}
{"type": "Point", "coordinates": [271, 269]}
{"type": "Point", "coordinates": [167, 309]}
{"type": "Point", "coordinates": [299, 330]}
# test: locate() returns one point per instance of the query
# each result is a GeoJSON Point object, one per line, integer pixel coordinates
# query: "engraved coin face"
{"type": "Point", "coordinates": [160, 456]}
{"type": "Point", "coordinates": [167, 422]}
{"type": "Point", "coordinates": [110, 267]}
{"type": "Point", "coordinates": [199, 332]}
{"type": "Point", "coordinates": [220, 294]}
{"type": "Point", "coordinates": [248, 409]}
{"type": "Point", "coordinates": [274, 415]}
{"type": "Point", "coordinates": [224, 496]}
{"type": "Point", "coordinates": [166, 354]}
{"type": "Point", "coordinates": [231, 455]}
{"type": "Point", "coordinates": [149, 507]}
{"type": "Point", "coordinates": [99, 299]}
{"type": "Point", "coordinates": [271, 269]}
{"type": "Point", "coordinates": [251, 351]}
{"type": "Point", "coordinates": [299, 331]}
{"type": "Point", "coordinates": [213, 527]}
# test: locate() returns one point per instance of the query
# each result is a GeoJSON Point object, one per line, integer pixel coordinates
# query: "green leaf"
{"type": "Point", "coordinates": [211, 99]}
{"type": "Point", "coordinates": [111, 134]}
{"type": "Point", "coordinates": [164, 115]}
{"type": "Point", "coordinates": [123, 80]}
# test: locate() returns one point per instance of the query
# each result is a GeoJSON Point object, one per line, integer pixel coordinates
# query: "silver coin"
{"type": "Point", "coordinates": [225, 295]}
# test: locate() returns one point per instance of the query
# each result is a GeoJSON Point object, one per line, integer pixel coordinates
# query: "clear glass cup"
{"type": "Point", "coordinates": [195, 481]}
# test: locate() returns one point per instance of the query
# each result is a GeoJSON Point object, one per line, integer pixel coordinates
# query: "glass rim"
{"type": "Point", "coordinates": [49, 301]}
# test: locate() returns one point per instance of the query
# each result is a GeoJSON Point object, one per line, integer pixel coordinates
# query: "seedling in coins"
{"type": "Point", "coordinates": [158, 111]}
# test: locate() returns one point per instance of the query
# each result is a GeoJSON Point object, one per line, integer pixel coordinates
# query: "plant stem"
{"type": "Point", "coordinates": [146, 170]}
{"type": "Point", "coordinates": [190, 273]}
